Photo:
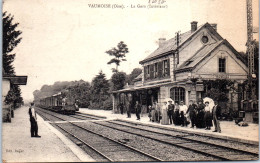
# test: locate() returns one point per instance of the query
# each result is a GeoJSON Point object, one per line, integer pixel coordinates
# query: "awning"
{"type": "Point", "coordinates": [17, 80]}
{"type": "Point", "coordinates": [130, 89]}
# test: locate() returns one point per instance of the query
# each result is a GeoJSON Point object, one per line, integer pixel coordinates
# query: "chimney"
{"type": "Point", "coordinates": [161, 42]}
{"type": "Point", "coordinates": [193, 26]}
{"type": "Point", "coordinates": [214, 26]}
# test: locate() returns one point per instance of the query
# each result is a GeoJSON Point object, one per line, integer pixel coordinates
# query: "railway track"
{"type": "Point", "coordinates": [87, 116]}
{"type": "Point", "coordinates": [252, 147]}
{"type": "Point", "coordinates": [61, 117]}
{"type": "Point", "coordinates": [91, 115]}
{"type": "Point", "coordinates": [184, 141]}
{"type": "Point", "coordinates": [211, 148]}
{"type": "Point", "coordinates": [107, 148]}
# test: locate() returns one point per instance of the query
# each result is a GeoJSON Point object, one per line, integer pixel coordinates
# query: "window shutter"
{"type": "Point", "coordinates": [145, 72]}
{"type": "Point", "coordinates": [160, 69]}
{"type": "Point", "coordinates": [168, 67]}
{"type": "Point", "coordinates": [152, 71]}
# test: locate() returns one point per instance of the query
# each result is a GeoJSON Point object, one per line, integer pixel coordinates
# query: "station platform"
{"type": "Point", "coordinates": [18, 146]}
{"type": "Point", "coordinates": [229, 130]}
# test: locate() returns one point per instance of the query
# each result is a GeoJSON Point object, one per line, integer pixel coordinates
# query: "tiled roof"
{"type": "Point", "coordinates": [134, 88]}
{"type": "Point", "coordinates": [199, 55]}
{"type": "Point", "coordinates": [171, 45]}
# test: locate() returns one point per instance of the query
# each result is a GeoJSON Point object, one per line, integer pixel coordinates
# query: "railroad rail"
{"type": "Point", "coordinates": [206, 136]}
{"type": "Point", "coordinates": [85, 115]}
{"type": "Point", "coordinates": [182, 141]}
{"type": "Point", "coordinates": [109, 149]}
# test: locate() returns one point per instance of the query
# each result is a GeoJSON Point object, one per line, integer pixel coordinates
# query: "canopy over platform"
{"type": "Point", "coordinates": [16, 80]}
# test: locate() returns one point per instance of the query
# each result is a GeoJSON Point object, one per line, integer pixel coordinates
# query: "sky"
{"type": "Point", "coordinates": [66, 40]}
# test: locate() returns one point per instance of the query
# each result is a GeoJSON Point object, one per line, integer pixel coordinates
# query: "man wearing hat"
{"type": "Point", "coordinates": [33, 120]}
{"type": "Point", "coordinates": [200, 115]}
{"type": "Point", "coordinates": [216, 114]}
{"type": "Point", "coordinates": [138, 108]}
{"type": "Point", "coordinates": [192, 109]}
{"type": "Point", "coordinates": [170, 111]}
{"type": "Point", "coordinates": [183, 110]}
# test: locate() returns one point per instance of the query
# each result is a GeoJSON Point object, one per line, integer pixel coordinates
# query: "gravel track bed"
{"type": "Point", "coordinates": [185, 143]}
{"type": "Point", "coordinates": [222, 142]}
{"type": "Point", "coordinates": [157, 149]}
{"type": "Point", "coordinates": [58, 115]}
{"type": "Point", "coordinates": [85, 148]}
{"type": "Point", "coordinates": [47, 117]}
{"type": "Point", "coordinates": [226, 143]}
{"type": "Point", "coordinates": [81, 117]}
{"type": "Point", "coordinates": [91, 115]}
{"type": "Point", "coordinates": [109, 148]}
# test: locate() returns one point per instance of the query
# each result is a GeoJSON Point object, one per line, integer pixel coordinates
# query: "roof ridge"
{"type": "Point", "coordinates": [164, 49]}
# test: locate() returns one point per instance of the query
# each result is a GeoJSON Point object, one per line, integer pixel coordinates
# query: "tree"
{"type": "Point", "coordinates": [217, 89]}
{"type": "Point", "coordinates": [133, 75]}
{"type": "Point", "coordinates": [100, 98]}
{"type": "Point", "coordinates": [10, 40]}
{"type": "Point", "coordinates": [118, 54]}
{"type": "Point", "coordinates": [118, 80]}
{"type": "Point", "coordinates": [81, 92]}
{"type": "Point", "coordinates": [14, 96]}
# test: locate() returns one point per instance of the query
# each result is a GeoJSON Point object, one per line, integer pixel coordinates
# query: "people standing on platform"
{"type": "Point", "coordinates": [144, 109]}
{"type": "Point", "coordinates": [200, 115]}
{"type": "Point", "coordinates": [121, 106]}
{"type": "Point", "coordinates": [207, 116]}
{"type": "Point", "coordinates": [153, 112]}
{"type": "Point", "coordinates": [216, 114]}
{"type": "Point", "coordinates": [138, 109]}
{"type": "Point", "coordinates": [192, 110]}
{"type": "Point", "coordinates": [170, 110]}
{"type": "Point", "coordinates": [33, 120]}
{"type": "Point", "coordinates": [164, 111]}
{"type": "Point", "coordinates": [150, 112]}
{"type": "Point", "coordinates": [157, 112]}
{"type": "Point", "coordinates": [183, 110]}
{"type": "Point", "coordinates": [128, 109]}
{"type": "Point", "coordinates": [176, 115]}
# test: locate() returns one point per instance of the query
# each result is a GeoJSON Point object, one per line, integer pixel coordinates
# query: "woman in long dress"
{"type": "Point", "coordinates": [153, 112]}
{"type": "Point", "coordinates": [176, 115]}
{"type": "Point", "coordinates": [207, 116]}
{"type": "Point", "coordinates": [157, 112]}
{"type": "Point", "coordinates": [165, 118]}
{"type": "Point", "coordinates": [200, 115]}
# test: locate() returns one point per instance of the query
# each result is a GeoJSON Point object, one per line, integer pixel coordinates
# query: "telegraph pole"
{"type": "Point", "coordinates": [251, 90]}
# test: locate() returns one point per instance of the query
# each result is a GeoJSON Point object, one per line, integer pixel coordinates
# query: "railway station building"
{"type": "Point", "coordinates": [180, 67]}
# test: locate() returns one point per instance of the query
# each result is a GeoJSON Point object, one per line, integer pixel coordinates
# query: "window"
{"type": "Point", "coordinates": [177, 94]}
{"type": "Point", "coordinates": [222, 65]}
{"type": "Point", "coordinates": [148, 71]}
{"type": "Point", "coordinates": [155, 70]}
{"type": "Point", "coordinates": [165, 67]}
{"type": "Point", "coordinates": [204, 39]}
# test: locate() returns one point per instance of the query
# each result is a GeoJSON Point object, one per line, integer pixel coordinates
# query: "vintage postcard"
{"type": "Point", "coordinates": [130, 80]}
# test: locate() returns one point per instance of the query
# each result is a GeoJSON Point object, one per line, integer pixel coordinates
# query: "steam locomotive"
{"type": "Point", "coordinates": [62, 102]}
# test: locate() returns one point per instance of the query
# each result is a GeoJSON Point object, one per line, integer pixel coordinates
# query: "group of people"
{"type": "Point", "coordinates": [200, 115]}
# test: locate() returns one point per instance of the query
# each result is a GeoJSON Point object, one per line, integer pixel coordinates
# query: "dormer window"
{"type": "Point", "coordinates": [222, 64]}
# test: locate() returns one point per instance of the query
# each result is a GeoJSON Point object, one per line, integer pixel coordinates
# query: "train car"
{"type": "Point", "coordinates": [61, 102]}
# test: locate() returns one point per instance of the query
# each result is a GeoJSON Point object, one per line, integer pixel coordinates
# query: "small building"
{"type": "Point", "coordinates": [180, 67]}
{"type": "Point", "coordinates": [7, 81]}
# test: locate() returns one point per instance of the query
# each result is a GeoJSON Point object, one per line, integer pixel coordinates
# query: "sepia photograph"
{"type": "Point", "coordinates": [130, 81]}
